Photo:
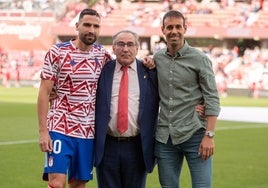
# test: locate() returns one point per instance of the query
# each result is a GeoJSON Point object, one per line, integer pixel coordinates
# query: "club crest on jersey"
{"type": "Point", "coordinates": [96, 60]}
{"type": "Point", "coordinates": [50, 161]}
{"type": "Point", "coordinates": [72, 62]}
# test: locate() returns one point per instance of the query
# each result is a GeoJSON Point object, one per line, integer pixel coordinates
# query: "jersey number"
{"type": "Point", "coordinates": [57, 146]}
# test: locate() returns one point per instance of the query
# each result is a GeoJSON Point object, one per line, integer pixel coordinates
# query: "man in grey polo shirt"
{"type": "Point", "coordinates": [185, 79]}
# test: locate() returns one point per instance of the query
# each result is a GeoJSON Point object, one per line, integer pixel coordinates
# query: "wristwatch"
{"type": "Point", "coordinates": [210, 134]}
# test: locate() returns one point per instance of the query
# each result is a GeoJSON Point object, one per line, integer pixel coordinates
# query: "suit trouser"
{"type": "Point", "coordinates": [122, 165]}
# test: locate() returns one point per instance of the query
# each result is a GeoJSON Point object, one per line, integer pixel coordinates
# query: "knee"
{"type": "Point", "coordinates": [56, 184]}
{"type": "Point", "coordinates": [56, 180]}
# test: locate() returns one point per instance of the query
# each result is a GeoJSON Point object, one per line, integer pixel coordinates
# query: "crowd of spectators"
{"type": "Point", "coordinates": [245, 14]}
{"type": "Point", "coordinates": [28, 5]}
{"type": "Point", "coordinates": [16, 66]}
{"type": "Point", "coordinates": [242, 14]}
{"type": "Point", "coordinates": [249, 70]}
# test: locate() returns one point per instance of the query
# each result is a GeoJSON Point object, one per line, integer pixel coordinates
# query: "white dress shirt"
{"type": "Point", "coordinates": [133, 101]}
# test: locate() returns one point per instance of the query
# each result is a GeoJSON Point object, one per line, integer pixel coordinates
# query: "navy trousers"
{"type": "Point", "coordinates": [122, 165]}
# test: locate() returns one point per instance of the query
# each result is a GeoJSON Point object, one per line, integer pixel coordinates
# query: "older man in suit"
{"type": "Point", "coordinates": [124, 157]}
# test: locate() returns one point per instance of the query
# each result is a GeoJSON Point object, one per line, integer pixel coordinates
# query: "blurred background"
{"type": "Point", "coordinates": [233, 33]}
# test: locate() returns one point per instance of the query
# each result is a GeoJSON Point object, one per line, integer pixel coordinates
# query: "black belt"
{"type": "Point", "coordinates": [123, 139]}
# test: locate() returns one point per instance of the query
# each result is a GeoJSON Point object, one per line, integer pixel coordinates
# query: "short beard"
{"type": "Point", "coordinates": [87, 42]}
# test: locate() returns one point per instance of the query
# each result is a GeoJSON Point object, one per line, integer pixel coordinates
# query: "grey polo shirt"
{"type": "Point", "coordinates": [184, 81]}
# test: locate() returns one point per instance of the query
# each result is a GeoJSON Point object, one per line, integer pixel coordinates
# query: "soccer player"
{"type": "Point", "coordinates": [66, 129]}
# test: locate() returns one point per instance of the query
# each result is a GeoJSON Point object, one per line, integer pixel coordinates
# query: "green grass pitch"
{"type": "Point", "coordinates": [240, 160]}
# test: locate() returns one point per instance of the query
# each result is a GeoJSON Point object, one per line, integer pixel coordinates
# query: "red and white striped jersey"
{"type": "Point", "coordinates": [76, 75]}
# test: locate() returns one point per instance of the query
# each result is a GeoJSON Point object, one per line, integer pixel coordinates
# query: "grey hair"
{"type": "Point", "coordinates": [135, 35]}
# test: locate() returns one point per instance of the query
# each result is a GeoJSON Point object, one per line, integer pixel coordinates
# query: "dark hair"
{"type": "Point", "coordinates": [175, 14]}
{"type": "Point", "coordinates": [88, 11]}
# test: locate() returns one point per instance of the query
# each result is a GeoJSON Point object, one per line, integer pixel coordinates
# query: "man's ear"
{"type": "Point", "coordinates": [162, 28]}
{"type": "Point", "coordinates": [185, 27]}
{"type": "Point", "coordinates": [113, 47]}
{"type": "Point", "coordinates": [76, 26]}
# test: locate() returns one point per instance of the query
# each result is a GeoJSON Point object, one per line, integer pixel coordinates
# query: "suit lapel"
{"type": "Point", "coordinates": [142, 75]}
{"type": "Point", "coordinates": [109, 73]}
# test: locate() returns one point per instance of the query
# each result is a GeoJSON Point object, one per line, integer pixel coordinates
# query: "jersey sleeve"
{"type": "Point", "coordinates": [51, 62]}
{"type": "Point", "coordinates": [108, 57]}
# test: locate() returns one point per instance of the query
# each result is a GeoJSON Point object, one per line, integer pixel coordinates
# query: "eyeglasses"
{"type": "Point", "coordinates": [128, 44]}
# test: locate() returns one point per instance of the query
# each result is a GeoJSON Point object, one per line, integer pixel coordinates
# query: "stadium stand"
{"type": "Point", "coordinates": [234, 36]}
